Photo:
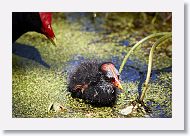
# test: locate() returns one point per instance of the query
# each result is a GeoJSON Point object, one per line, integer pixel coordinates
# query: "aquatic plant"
{"type": "Point", "coordinates": [164, 36]}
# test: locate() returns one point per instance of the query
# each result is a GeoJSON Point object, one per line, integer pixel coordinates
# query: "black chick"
{"type": "Point", "coordinates": [95, 82]}
{"type": "Point", "coordinates": [40, 22]}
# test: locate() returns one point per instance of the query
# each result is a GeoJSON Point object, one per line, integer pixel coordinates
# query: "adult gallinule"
{"type": "Point", "coordinates": [95, 82]}
{"type": "Point", "coordinates": [40, 22]}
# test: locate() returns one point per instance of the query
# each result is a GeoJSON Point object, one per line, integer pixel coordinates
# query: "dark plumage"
{"type": "Point", "coordinates": [24, 22]}
{"type": "Point", "coordinates": [90, 83]}
{"type": "Point", "coordinates": [40, 22]}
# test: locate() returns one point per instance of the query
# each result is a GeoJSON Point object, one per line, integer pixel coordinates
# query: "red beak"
{"type": "Point", "coordinates": [112, 72]}
{"type": "Point", "coordinates": [47, 29]}
{"type": "Point", "coordinates": [117, 84]}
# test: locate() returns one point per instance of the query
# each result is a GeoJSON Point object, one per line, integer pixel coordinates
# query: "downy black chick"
{"type": "Point", "coordinates": [95, 82]}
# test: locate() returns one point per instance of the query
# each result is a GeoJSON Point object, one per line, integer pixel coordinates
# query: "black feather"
{"type": "Point", "coordinates": [99, 91]}
{"type": "Point", "coordinates": [23, 22]}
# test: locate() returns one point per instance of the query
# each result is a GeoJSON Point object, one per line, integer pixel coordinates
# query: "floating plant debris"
{"type": "Point", "coordinates": [57, 107]}
{"type": "Point", "coordinates": [128, 110]}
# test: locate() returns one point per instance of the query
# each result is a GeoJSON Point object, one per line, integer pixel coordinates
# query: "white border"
{"type": "Point", "coordinates": [174, 123]}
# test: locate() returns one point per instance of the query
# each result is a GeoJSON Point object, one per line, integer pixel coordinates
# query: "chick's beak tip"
{"type": "Point", "coordinates": [120, 87]}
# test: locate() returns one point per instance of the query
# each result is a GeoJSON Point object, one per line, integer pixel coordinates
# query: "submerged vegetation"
{"type": "Point", "coordinates": [40, 70]}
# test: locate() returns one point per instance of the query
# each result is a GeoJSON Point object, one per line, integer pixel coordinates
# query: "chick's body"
{"type": "Point", "coordinates": [89, 83]}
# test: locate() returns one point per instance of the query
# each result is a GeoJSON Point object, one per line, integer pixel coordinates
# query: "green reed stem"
{"type": "Point", "coordinates": [157, 43]}
{"type": "Point", "coordinates": [138, 44]}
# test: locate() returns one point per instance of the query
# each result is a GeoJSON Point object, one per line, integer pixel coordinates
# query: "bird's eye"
{"type": "Point", "coordinates": [112, 79]}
